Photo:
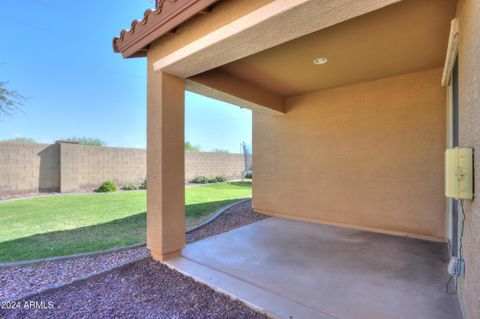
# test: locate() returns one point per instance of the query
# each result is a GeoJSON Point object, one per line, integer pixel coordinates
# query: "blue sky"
{"type": "Point", "coordinates": [59, 54]}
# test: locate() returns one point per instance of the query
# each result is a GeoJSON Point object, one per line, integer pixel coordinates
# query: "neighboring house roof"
{"type": "Point", "coordinates": [167, 16]}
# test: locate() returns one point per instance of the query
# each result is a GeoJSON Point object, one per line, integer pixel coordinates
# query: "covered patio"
{"type": "Point", "coordinates": [353, 107]}
{"type": "Point", "coordinates": [292, 269]}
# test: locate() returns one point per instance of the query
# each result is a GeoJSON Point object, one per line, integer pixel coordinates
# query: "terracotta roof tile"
{"type": "Point", "coordinates": [168, 15]}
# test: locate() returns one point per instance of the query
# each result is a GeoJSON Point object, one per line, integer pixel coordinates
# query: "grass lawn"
{"type": "Point", "coordinates": [63, 225]}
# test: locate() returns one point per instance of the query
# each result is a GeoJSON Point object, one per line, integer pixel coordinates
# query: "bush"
{"type": "Point", "coordinates": [200, 180]}
{"type": "Point", "coordinates": [219, 150]}
{"type": "Point", "coordinates": [130, 187]}
{"type": "Point", "coordinates": [89, 141]}
{"type": "Point", "coordinates": [221, 179]}
{"type": "Point", "coordinates": [20, 139]}
{"type": "Point", "coordinates": [248, 175]}
{"type": "Point", "coordinates": [190, 147]}
{"type": "Point", "coordinates": [212, 180]}
{"type": "Point", "coordinates": [107, 187]}
{"type": "Point", "coordinates": [143, 185]}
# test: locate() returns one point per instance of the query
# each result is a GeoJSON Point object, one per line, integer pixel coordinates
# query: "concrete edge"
{"type": "Point", "coordinates": [79, 280]}
{"type": "Point", "coordinates": [256, 297]}
{"type": "Point", "coordinates": [219, 290]}
{"type": "Point", "coordinates": [55, 194]}
{"type": "Point", "coordinates": [74, 256]}
{"type": "Point", "coordinates": [58, 194]}
{"type": "Point", "coordinates": [217, 214]}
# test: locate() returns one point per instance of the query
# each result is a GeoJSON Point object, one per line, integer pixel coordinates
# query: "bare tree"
{"type": "Point", "coordinates": [10, 101]}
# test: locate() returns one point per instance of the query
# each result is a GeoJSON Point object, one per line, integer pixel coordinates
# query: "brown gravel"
{"type": "Point", "coordinates": [129, 292]}
{"type": "Point", "coordinates": [144, 290]}
{"type": "Point", "coordinates": [19, 196]}
{"type": "Point", "coordinates": [26, 195]}
{"type": "Point", "coordinates": [235, 217]}
{"type": "Point", "coordinates": [18, 281]}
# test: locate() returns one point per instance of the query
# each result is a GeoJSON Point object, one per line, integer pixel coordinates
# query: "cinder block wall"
{"type": "Point", "coordinates": [67, 167]}
{"type": "Point", "coordinates": [213, 164]}
{"type": "Point", "coordinates": [468, 13]}
{"type": "Point", "coordinates": [27, 167]}
{"type": "Point", "coordinates": [97, 164]}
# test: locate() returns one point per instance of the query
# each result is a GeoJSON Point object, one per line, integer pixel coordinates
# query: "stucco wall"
{"type": "Point", "coordinates": [468, 12]}
{"type": "Point", "coordinates": [28, 167]}
{"type": "Point", "coordinates": [221, 14]}
{"type": "Point", "coordinates": [368, 155]}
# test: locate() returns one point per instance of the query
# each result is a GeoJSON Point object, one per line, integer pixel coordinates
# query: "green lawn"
{"type": "Point", "coordinates": [63, 225]}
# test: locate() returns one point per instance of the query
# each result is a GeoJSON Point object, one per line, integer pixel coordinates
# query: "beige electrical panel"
{"type": "Point", "coordinates": [459, 173]}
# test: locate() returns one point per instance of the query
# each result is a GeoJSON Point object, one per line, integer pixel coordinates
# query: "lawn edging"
{"type": "Point", "coordinates": [74, 256]}
{"type": "Point", "coordinates": [116, 249]}
{"type": "Point", "coordinates": [80, 280]}
{"type": "Point", "coordinates": [57, 194]}
{"type": "Point", "coordinates": [90, 192]}
{"type": "Point", "coordinates": [217, 214]}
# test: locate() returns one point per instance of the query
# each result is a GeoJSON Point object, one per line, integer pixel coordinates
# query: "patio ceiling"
{"type": "Point", "coordinates": [401, 38]}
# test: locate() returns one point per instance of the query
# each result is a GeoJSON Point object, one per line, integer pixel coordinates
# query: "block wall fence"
{"type": "Point", "coordinates": [69, 167]}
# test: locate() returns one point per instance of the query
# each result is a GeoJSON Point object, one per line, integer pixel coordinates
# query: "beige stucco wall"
{"type": "Point", "coordinates": [468, 12]}
{"type": "Point", "coordinates": [221, 14]}
{"type": "Point", "coordinates": [368, 155]}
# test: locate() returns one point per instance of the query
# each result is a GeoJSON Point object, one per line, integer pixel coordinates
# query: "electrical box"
{"type": "Point", "coordinates": [459, 173]}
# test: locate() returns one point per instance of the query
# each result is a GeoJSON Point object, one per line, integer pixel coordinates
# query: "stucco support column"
{"type": "Point", "coordinates": [165, 165]}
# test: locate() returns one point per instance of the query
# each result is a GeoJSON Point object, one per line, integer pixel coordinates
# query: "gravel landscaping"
{"type": "Point", "coordinates": [20, 196]}
{"type": "Point", "coordinates": [235, 217]}
{"type": "Point", "coordinates": [128, 292]}
{"type": "Point", "coordinates": [18, 281]}
{"type": "Point", "coordinates": [144, 290]}
{"type": "Point", "coordinates": [5, 197]}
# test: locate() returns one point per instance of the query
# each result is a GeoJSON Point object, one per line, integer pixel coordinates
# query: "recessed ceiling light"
{"type": "Point", "coordinates": [320, 61]}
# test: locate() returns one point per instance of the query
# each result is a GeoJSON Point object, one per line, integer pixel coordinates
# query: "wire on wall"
{"type": "Point", "coordinates": [460, 255]}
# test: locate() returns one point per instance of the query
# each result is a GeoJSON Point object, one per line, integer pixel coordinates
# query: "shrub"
{"type": "Point", "coordinates": [221, 179]}
{"type": "Point", "coordinates": [190, 147]}
{"type": "Point", "coordinates": [200, 180]}
{"type": "Point", "coordinates": [212, 180]}
{"type": "Point", "coordinates": [143, 185]}
{"type": "Point", "coordinates": [130, 187]}
{"type": "Point", "coordinates": [248, 175]}
{"type": "Point", "coordinates": [106, 187]}
{"type": "Point", "coordinates": [89, 141]}
{"type": "Point", "coordinates": [219, 150]}
{"type": "Point", "coordinates": [20, 139]}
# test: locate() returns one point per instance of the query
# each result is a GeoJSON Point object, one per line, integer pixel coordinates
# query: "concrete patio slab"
{"type": "Point", "coordinates": [256, 297]}
{"type": "Point", "coordinates": [296, 269]}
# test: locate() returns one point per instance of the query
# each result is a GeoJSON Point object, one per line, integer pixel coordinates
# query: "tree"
{"type": "Point", "coordinates": [219, 150]}
{"type": "Point", "coordinates": [10, 101]}
{"type": "Point", "coordinates": [90, 141]}
{"type": "Point", "coordinates": [190, 147]}
{"type": "Point", "coordinates": [20, 139]}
